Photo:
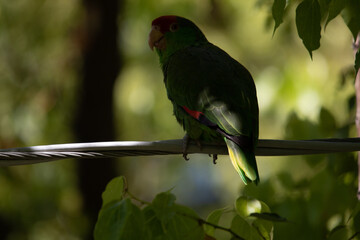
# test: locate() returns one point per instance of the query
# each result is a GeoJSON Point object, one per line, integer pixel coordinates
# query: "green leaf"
{"type": "Point", "coordinates": [351, 102]}
{"type": "Point", "coordinates": [264, 228]}
{"type": "Point", "coordinates": [114, 190]}
{"type": "Point", "coordinates": [354, 25]}
{"type": "Point", "coordinates": [170, 221]}
{"type": "Point", "coordinates": [357, 61]}
{"type": "Point", "coordinates": [352, 17]}
{"type": "Point", "coordinates": [335, 7]}
{"type": "Point", "coordinates": [354, 235]}
{"type": "Point", "coordinates": [356, 222]}
{"type": "Point", "coordinates": [324, 7]}
{"type": "Point", "coordinates": [207, 237]}
{"type": "Point", "coordinates": [273, 217]}
{"type": "Point", "coordinates": [308, 19]}
{"type": "Point", "coordinates": [286, 180]}
{"type": "Point", "coordinates": [327, 123]}
{"type": "Point", "coordinates": [213, 218]}
{"type": "Point", "coordinates": [163, 206]}
{"type": "Point", "coordinates": [297, 128]}
{"type": "Point", "coordinates": [153, 223]}
{"type": "Point", "coordinates": [241, 227]}
{"type": "Point", "coordinates": [355, 211]}
{"type": "Point", "coordinates": [339, 232]}
{"type": "Point", "coordinates": [120, 220]}
{"type": "Point", "coordinates": [184, 225]}
{"type": "Point", "coordinates": [278, 9]}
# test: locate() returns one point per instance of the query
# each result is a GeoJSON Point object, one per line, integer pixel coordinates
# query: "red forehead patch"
{"type": "Point", "coordinates": [164, 22]}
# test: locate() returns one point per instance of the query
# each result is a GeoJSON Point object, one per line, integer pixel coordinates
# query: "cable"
{"type": "Point", "coordinates": [266, 147]}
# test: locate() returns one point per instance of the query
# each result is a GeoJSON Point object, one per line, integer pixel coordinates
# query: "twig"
{"type": "Point", "coordinates": [357, 93]}
{"type": "Point", "coordinates": [202, 221]}
{"type": "Point", "coordinates": [142, 202]}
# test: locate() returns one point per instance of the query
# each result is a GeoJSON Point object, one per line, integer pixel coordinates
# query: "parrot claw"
{"type": "Point", "coordinates": [186, 157]}
{"type": "Point", "coordinates": [214, 156]}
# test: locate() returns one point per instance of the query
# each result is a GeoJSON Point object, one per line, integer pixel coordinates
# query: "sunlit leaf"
{"type": "Point", "coordinates": [264, 207]}
{"type": "Point", "coordinates": [120, 220]}
{"type": "Point", "coordinates": [335, 7]}
{"type": "Point", "coordinates": [278, 9]}
{"type": "Point", "coordinates": [308, 19]}
{"type": "Point", "coordinates": [114, 190]}
{"type": "Point", "coordinates": [214, 218]}
{"type": "Point", "coordinates": [245, 206]}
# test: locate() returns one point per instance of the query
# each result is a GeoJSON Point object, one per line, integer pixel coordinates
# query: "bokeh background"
{"type": "Point", "coordinates": [77, 71]}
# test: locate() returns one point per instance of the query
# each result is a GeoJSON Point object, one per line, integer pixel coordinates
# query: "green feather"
{"type": "Point", "coordinates": [243, 161]}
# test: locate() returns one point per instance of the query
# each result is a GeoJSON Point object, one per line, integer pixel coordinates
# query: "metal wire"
{"type": "Point", "coordinates": [266, 147]}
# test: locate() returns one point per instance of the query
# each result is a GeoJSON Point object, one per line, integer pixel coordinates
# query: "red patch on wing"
{"type": "Point", "coordinates": [164, 22]}
{"type": "Point", "coordinates": [194, 114]}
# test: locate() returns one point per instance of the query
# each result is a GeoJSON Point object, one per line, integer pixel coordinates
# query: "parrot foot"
{"type": "Point", "coordinates": [186, 140]}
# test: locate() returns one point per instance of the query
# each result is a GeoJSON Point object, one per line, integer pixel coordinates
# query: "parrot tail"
{"type": "Point", "coordinates": [243, 161]}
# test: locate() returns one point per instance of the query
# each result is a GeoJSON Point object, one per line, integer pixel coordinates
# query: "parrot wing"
{"type": "Point", "coordinates": [219, 92]}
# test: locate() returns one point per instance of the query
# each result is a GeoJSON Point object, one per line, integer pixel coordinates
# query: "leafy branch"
{"type": "Point", "coordinates": [164, 219]}
{"type": "Point", "coordinates": [312, 14]}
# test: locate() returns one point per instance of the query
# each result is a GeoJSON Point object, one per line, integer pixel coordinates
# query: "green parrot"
{"type": "Point", "coordinates": [213, 95]}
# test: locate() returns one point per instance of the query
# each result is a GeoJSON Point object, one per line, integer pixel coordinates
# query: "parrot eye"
{"type": "Point", "coordinates": [174, 27]}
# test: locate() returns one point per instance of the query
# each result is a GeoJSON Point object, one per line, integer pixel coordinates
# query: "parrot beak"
{"type": "Point", "coordinates": [156, 38]}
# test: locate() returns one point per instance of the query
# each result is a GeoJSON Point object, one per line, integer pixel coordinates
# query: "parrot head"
{"type": "Point", "coordinates": [171, 33]}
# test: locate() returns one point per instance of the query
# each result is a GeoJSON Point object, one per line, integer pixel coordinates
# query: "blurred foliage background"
{"type": "Point", "coordinates": [299, 98]}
